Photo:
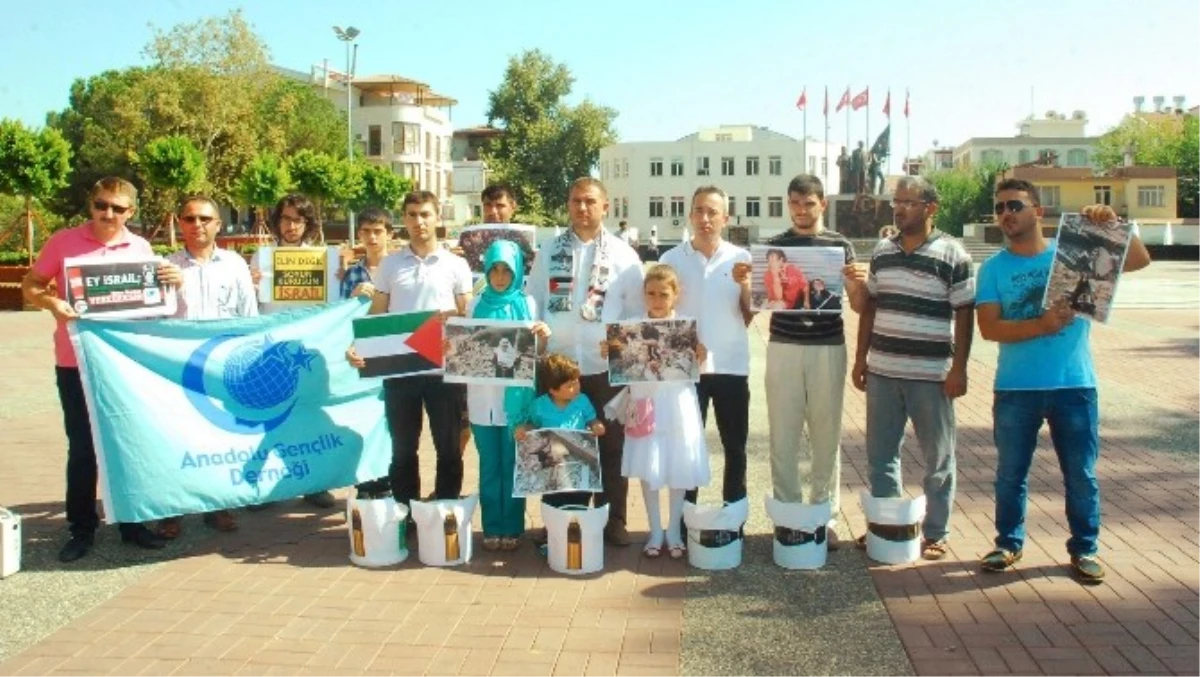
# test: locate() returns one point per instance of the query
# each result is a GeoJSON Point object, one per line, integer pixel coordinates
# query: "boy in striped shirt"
{"type": "Point", "coordinates": [914, 340]}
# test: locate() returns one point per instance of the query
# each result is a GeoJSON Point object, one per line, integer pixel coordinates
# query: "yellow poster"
{"type": "Point", "coordinates": [299, 274]}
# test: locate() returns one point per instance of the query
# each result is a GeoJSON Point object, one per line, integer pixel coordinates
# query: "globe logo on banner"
{"type": "Point", "coordinates": [258, 377]}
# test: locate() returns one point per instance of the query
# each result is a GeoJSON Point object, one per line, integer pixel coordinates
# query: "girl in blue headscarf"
{"type": "Point", "coordinates": [495, 410]}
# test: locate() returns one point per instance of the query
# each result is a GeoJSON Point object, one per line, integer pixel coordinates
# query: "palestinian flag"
{"type": "Point", "coordinates": [406, 344]}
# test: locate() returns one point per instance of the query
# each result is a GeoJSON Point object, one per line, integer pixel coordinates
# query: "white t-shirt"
{"type": "Point", "coordinates": [413, 283]}
{"type": "Point", "coordinates": [709, 294]}
{"type": "Point", "coordinates": [629, 236]}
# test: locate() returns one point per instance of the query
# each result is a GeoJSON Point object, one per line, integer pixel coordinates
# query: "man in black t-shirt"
{"type": "Point", "coordinates": [806, 366]}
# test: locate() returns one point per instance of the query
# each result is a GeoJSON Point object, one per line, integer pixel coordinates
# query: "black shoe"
{"type": "Point", "coordinates": [1088, 569]}
{"type": "Point", "coordinates": [143, 538]}
{"type": "Point", "coordinates": [321, 499]}
{"type": "Point", "coordinates": [78, 546]}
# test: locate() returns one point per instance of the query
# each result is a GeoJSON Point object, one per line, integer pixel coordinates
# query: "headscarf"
{"type": "Point", "coordinates": [511, 303]}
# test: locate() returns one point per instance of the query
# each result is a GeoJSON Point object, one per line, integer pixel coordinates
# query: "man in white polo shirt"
{"type": "Point", "coordinates": [582, 279]}
{"type": "Point", "coordinates": [420, 277]}
{"type": "Point", "coordinates": [715, 280]}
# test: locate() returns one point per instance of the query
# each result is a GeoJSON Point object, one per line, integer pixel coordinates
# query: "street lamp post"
{"type": "Point", "coordinates": [347, 36]}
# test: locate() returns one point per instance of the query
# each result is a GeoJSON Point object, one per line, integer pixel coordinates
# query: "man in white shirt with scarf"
{"type": "Point", "coordinates": [582, 279]}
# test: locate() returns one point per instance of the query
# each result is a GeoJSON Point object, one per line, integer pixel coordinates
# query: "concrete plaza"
{"type": "Point", "coordinates": [280, 596]}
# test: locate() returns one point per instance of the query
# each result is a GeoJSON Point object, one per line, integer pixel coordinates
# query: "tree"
{"type": "Point", "coordinates": [381, 187]}
{"type": "Point", "coordinates": [263, 183]}
{"type": "Point", "coordinates": [174, 166]}
{"type": "Point", "coordinates": [32, 166]}
{"type": "Point", "coordinates": [546, 143]}
{"type": "Point", "coordinates": [292, 116]}
{"type": "Point", "coordinates": [964, 196]}
{"type": "Point", "coordinates": [1158, 141]}
{"type": "Point", "coordinates": [314, 174]}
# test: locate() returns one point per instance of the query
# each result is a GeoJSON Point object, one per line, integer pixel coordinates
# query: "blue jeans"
{"type": "Point", "coordinates": [891, 402]}
{"type": "Point", "coordinates": [1074, 419]}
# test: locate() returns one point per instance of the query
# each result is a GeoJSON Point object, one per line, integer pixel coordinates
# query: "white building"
{"type": "Point", "coordinates": [398, 123]}
{"type": "Point", "coordinates": [466, 183]}
{"type": "Point", "coordinates": [651, 183]}
{"type": "Point", "coordinates": [1055, 135]}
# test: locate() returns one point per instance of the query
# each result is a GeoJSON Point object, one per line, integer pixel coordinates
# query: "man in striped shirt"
{"type": "Point", "coordinates": [914, 340]}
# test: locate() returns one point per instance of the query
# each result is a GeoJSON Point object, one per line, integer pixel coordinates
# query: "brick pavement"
{"type": "Point", "coordinates": [279, 597]}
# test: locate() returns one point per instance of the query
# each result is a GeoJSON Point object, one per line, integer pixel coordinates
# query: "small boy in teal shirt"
{"type": "Point", "coordinates": [563, 405]}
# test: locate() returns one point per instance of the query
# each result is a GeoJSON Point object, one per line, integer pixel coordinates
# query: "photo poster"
{"type": "Point", "coordinates": [553, 460]}
{"type": "Point", "coordinates": [797, 279]}
{"type": "Point", "coordinates": [652, 351]}
{"type": "Point", "coordinates": [298, 276]}
{"type": "Point", "coordinates": [490, 352]}
{"type": "Point", "coordinates": [1087, 265]}
{"type": "Point", "coordinates": [475, 240]}
{"type": "Point", "coordinates": [117, 288]}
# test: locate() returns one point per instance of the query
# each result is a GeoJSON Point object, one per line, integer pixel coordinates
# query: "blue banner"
{"type": "Point", "coordinates": [192, 416]}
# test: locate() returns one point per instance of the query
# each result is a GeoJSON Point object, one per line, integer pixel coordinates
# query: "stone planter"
{"type": "Point", "coordinates": [10, 287]}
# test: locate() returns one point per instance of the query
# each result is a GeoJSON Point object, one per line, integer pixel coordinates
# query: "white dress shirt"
{"type": "Point", "coordinates": [571, 335]}
{"type": "Point", "coordinates": [709, 294]}
{"type": "Point", "coordinates": [214, 289]}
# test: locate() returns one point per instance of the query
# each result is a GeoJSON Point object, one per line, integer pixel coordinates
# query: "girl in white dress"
{"type": "Point", "coordinates": [664, 434]}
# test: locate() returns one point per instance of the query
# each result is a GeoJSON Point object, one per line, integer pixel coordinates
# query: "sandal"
{"type": "Point", "coordinates": [934, 550]}
{"type": "Point", "coordinates": [221, 520]}
{"type": "Point", "coordinates": [677, 551]}
{"type": "Point", "coordinates": [509, 543]}
{"type": "Point", "coordinates": [491, 543]}
{"type": "Point", "coordinates": [652, 551]}
{"type": "Point", "coordinates": [169, 528]}
{"type": "Point", "coordinates": [999, 559]}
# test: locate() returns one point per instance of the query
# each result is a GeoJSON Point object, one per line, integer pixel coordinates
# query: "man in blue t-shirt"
{"type": "Point", "coordinates": [1044, 373]}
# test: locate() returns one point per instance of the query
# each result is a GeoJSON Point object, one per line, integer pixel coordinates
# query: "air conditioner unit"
{"type": "Point", "coordinates": [674, 222]}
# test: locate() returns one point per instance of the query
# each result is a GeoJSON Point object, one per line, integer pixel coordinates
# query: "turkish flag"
{"type": "Point", "coordinates": [845, 101]}
{"type": "Point", "coordinates": [861, 100]}
{"type": "Point", "coordinates": [803, 100]}
{"type": "Point", "coordinates": [887, 104]}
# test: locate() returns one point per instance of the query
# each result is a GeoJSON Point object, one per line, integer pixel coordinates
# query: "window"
{"type": "Point", "coordinates": [1152, 196]}
{"type": "Point", "coordinates": [676, 166]}
{"type": "Point", "coordinates": [477, 211]}
{"type": "Point", "coordinates": [656, 166]}
{"type": "Point", "coordinates": [726, 166]}
{"type": "Point", "coordinates": [991, 156]}
{"type": "Point", "coordinates": [725, 137]}
{"type": "Point", "coordinates": [1024, 156]}
{"type": "Point", "coordinates": [775, 207]}
{"type": "Point", "coordinates": [437, 149]}
{"type": "Point", "coordinates": [1077, 158]}
{"type": "Point", "coordinates": [676, 206]}
{"type": "Point", "coordinates": [775, 165]}
{"type": "Point", "coordinates": [702, 166]}
{"type": "Point", "coordinates": [732, 206]}
{"type": "Point", "coordinates": [656, 207]}
{"type": "Point", "coordinates": [1047, 155]}
{"type": "Point", "coordinates": [752, 207]}
{"type": "Point", "coordinates": [374, 141]}
{"type": "Point", "coordinates": [624, 207]}
{"type": "Point", "coordinates": [428, 146]}
{"type": "Point", "coordinates": [405, 138]}
{"type": "Point", "coordinates": [812, 164]}
{"type": "Point", "coordinates": [824, 165]}
{"type": "Point", "coordinates": [1103, 194]}
{"type": "Point", "coordinates": [625, 168]}
{"type": "Point", "coordinates": [1049, 196]}
{"type": "Point", "coordinates": [752, 165]}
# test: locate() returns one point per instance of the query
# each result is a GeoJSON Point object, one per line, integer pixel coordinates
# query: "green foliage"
{"type": "Point", "coordinates": [165, 249]}
{"type": "Point", "coordinates": [1159, 141]}
{"type": "Point", "coordinates": [46, 222]}
{"type": "Point", "coordinates": [381, 187]}
{"type": "Point", "coordinates": [314, 174]}
{"type": "Point", "coordinates": [32, 164]}
{"type": "Point", "coordinates": [174, 163]}
{"type": "Point", "coordinates": [964, 196]}
{"type": "Point", "coordinates": [264, 181]}
{"type": "Point", "coordinates": [19, 257]}
{"type": "Point", "coordinates": [292, 116]}
{"type": "Point", "coordinates": [546, 142]}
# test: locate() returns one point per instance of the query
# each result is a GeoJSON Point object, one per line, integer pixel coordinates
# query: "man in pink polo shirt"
{"type": "Point", "coordinates": [112, 202]}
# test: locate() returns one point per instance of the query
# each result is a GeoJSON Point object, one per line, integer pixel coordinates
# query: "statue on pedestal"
{"type": "Point", "coordinates": [845, 182]}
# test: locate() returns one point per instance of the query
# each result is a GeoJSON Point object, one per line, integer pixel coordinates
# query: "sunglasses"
{"type": "Point", "coordinates": [202, 219]}
{"type": "Point", "coordinates": [1014, 206]}
{"type": "Point", "coordinates": [102, 206]}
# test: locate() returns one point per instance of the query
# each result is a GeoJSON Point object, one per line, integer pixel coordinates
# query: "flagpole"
{"type": "Point", "coordinates": [825, 112]}
{"type": "Point", "coordinates": [907, 135]}
{"type": "Point", "coordinates": [868, 129]}
{"type": "Point", "coordinates": [848, 107]}
{"type": "Point", "coordinates": [889, 128]}
{"type": "Point", "coordinates": [805, 146]}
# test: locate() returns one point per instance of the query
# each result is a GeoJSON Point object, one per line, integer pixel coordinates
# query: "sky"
{"type": "Point", "coordinates": [671, 67]}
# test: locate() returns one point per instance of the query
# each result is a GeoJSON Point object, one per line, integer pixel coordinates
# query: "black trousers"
{"type": "Point", "coordinates": [612, 445]}
{"type": "Point", "coordinates": [403, 401]}
{"type": "Point", "coordinates": [82, 472]}
{"type": "Point", "coordinates": [730, 396]}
